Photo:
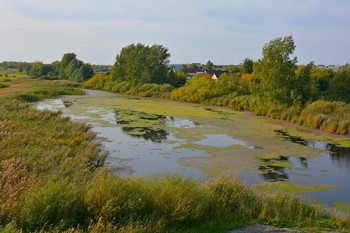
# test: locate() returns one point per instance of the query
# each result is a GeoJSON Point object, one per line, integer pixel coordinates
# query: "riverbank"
{"type": "Point", "coordinates": [328, 116]}
{"type": "Point", "coordinates": [44, 190]}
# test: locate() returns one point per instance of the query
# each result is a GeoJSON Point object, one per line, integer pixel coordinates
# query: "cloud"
{"type": "Point", "coordinates": [193, 31]}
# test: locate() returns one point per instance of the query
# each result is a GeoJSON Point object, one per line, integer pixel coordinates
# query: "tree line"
{"type": "Point", "coordinates": [69, 68]}
{"type": "Point", "coordinates": [275, 85]}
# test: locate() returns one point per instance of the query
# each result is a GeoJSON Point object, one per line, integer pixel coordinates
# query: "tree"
{"type": "Point", "coordinates": [36, 69]}
{"type": "Point", "coordinates": [65, 61]}
{"type": "Point", "coordinates": [83, 73]}
{"type": "Point", "coordinates": [73, 67]}
{"type": "Point", "coordinates": [20, 67]}
{"type": "Point", "coordinates": [209, 65]}
{"type": "Point", "coordinates": [274, 73]}
{"type": "Point", "coordinates": [184, 69]}
{"type": "Point", "coordinates": [339, 86]}
{"type": "Point", "coordinates": [138, 64]}
{"type": "Point", "coordinates": [247, 66]}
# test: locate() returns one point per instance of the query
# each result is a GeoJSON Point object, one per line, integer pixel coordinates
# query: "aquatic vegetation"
{"type": "Point", "coordinates": [141, 124]}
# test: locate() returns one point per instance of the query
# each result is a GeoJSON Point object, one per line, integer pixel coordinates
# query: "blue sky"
{"type": "Point", "coordinates": [223, 31]}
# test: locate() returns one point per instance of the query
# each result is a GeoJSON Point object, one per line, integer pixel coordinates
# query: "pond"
{"type": "Point", "coordinates": [149, 137]}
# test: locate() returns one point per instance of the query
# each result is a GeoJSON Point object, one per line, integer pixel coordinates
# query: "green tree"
{"type": "Point", "coordinates": [65, 61]}
{"type": "Point", "coordinates": [339, 86]}
{"type": "Point", "coordinates": [209, 65]}
{"type": "Point", "coordinates": [247, 66]}
{"type": "Point", "coordinates": [184, 68]}
{"type": "Point", "coordinates": [274, 73]}
{"type": "Point", "coordinates": [83, 73]}
{"type": "Point", "coordinates": [304, 89]}
{"type": "Point", "coordinates": [20, 67]}
{"type": "Point", "coordinates": [36, 69]}
{"type": "Point", "coordinates": [45, 69]}
{"type": "Point", "coordinates": [72, 68]}
{"type": "Point", "coordinates": [138, 64]}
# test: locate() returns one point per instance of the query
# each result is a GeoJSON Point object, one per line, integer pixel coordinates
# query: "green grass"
{"type": "Point", "coordinates": [287, 186]}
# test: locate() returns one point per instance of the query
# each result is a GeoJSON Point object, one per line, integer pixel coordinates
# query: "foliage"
{"type": "Point", "coordinates": [57, 203]}
{"type": "Point", "coordinates": [339, 86]}
{"type": "Point", "coordinates": [196, 90]}
{"type": "Point", "coordinates": [332, 117]}
{"type": "Point", "coordinates": [209, 65]}
{"type": "Point", "coordinates": [247, 66]}
{"type": "Point", "coordinates": [274, 73]}
{"type": "Point", "coordinates": [36, 70]}
{"type": "Point", "coordinates": [138, 64]}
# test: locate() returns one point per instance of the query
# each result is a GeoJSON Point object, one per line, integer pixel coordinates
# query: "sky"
{"type": "Point", "coordinates": [223, 31]}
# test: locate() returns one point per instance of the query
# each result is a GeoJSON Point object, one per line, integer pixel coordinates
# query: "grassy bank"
{"type": "Point", "coordinates": [328, 116]}
{"type": "Point", "coordinates": [49, 183]}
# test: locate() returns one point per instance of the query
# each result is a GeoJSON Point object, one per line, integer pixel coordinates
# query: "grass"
{"type": "Point", "coordinates": [289, 187]}
{"type": "Point", "coordinates": [49, 184]}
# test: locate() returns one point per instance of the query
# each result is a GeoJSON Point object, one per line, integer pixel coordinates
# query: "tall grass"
{"type": "Point", "coordinates": [332, 117]}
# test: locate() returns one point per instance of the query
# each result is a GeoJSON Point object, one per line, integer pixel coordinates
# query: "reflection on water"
{"type": "Point", "coordinates": [272, 172]}
{"type": "Point", "coordinates": [332, 167]}
{"type": "Point", "coordinates": [137, 143]}
{"type": "Point", "coordinates": [142, 125]}
{"type": "Point", "coordinates": [154, 135]}
{"type": "Point", "coordinates": [340, 156]}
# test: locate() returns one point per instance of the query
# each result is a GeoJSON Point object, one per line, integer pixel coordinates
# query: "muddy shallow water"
{"type": "Point", "coordinates": [148, 137]}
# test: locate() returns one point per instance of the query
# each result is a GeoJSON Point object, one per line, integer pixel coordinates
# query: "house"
{"type": "Point", "coordinates": [215, 74]}
{"type": "Point", "coordinates": [193, 71]}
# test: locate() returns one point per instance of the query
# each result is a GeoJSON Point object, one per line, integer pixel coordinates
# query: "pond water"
{"type": "Point", "coordinates": [331, 167]}
{"type": "Point", "coordinates": [142, 143]}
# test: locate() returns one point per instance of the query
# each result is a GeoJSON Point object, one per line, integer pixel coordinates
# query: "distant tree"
{"type": "Point", "coordinates": [209, 65]}
{"type": "Point", "coordinates": [184, 68]}
{"type": "Point", "coordinates": [20, 67]}
{"type": "Point", "coordinates": [72, 68]}
{"type": "Point", "coordinates": [36, 70]}
{"type": "Point", "coordinates": [247, 66]}
{"type": "Point", "coordinates": [274, 73]}
{"type": "Point", "coordinates": [27, 67]}
{"type": "Point", "coordinates": [233, 69]}
{"type": "Point", "coordinates": [339, 86]}
{"type": "Point", "coordinates": [83, 73]}
{"type": "Point", "coordinates": [322, 77]}
{"type": "Point", "coordinates": [192, 66]}
{"type": "Point", "coordinates": [138, 64]}
{"type": "Point", "coordinates": [304, 89]}
{"type": "Point", "coordinates": [65, 61]}
{"type": "Point", "coordinates": [45, 69]}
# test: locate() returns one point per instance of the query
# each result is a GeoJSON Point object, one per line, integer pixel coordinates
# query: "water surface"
{"type": "Point", "coordinates": [148, 143]}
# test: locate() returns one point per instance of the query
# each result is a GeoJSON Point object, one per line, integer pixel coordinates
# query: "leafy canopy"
{"type": "Point", "coordinates": [139, 63]}
{"type": "Point", "coordinates": [274, 73]}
